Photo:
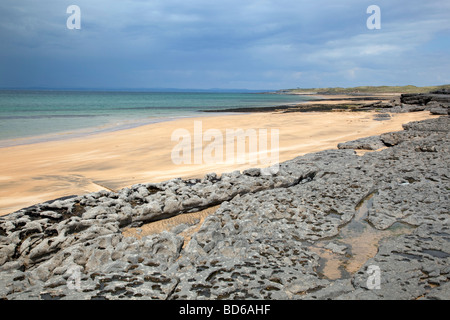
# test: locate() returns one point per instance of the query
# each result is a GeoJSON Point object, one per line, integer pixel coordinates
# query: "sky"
{"type": "Point", "coordinates": [227, 44]}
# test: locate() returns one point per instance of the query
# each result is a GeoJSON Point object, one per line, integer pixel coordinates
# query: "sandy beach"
{"type": "Point", "coordinates": [158, 150]}
{"type": "Point", "coordinates": [326, 219]}
{"type": "Point", "coordinates": [35, 173]}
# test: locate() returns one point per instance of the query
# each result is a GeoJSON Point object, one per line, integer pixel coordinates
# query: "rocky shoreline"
{"type": "Point", "coordinates": [261, 242]}
{"type": "Point", "coordinates": [435, 102]}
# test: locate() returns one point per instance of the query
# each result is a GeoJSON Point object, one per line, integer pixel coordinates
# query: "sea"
{"type": "Point", "coordinates": [30, 116]}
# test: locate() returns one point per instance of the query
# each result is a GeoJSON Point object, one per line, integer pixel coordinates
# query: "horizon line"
{"type": "Point", "coordinates": [136, 89]}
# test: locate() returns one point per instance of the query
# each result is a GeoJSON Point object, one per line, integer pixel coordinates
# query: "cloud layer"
{"type": "Point", "coordinates": [254, 44]}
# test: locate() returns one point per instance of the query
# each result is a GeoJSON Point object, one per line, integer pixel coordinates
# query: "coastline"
{"type": "Point", "coordinates": [113, 160]}
{"type": "Point", "coordinates": [224, 159]}
{"type": "Point", "coordinates": [36, 116]}
{"type": "Point", "coordinates": [325, 102]}
{"type": "Point", "coordinates": [329, 225]}
{"type": "Point", "coordinates": [317, 102]}
{"type": "Point", "coordinates": [92, 131]}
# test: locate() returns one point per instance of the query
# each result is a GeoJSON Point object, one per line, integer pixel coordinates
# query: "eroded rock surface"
{"type": "Point", "coordinates": [258, 244]}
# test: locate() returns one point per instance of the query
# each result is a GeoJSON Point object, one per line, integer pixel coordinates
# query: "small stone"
{"type": "Point", "coordinates": [51, 214]}
{"type": "Point", "coordinates": [254, 172]}
{"type": "Point", "coordinates": [369, 143]}
{"type": "Point", "coordinates": [336, 248]}
{"type": "Point", "coordinates": [439, 111]}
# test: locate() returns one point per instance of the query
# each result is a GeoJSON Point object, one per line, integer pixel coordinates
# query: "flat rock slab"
{"type": "Point", "coordinates": [369, 143]}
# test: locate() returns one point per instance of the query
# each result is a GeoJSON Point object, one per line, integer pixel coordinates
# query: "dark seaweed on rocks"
{"type": "Point", "coordinates": [257, 245]}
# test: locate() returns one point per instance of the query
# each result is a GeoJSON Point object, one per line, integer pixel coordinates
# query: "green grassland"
{"type": "Point", "coordinates": [366, 90]}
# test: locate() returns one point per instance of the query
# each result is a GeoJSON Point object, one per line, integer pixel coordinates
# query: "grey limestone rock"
{"type": "Point", "coordinates": [440, 124]}
{"type": "Point", "coordinates": [439, 111]}
{"type": "Point", "coordinates": [337, 248]}
{"type": "Point", "coordinates": [259, 242]}
{"type": "Point", "coordinates": [369, 143]}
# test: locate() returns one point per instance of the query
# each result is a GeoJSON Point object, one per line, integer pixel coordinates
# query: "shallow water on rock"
{"type": "Point", "coordinates": [361, 241]}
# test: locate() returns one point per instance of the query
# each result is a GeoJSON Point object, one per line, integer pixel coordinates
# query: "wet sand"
{"type": "Point", "coordinates": [35, 173]}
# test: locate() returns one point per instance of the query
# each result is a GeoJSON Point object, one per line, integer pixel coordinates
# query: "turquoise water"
{"type": "Point", "coordinates": [27, 116]}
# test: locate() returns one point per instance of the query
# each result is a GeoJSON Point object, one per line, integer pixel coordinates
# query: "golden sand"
{"type": "Point", "coordinates": [39, 172]}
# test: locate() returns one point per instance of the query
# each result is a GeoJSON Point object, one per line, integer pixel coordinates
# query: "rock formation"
{"type": "Point", "coordinates": [260, 242]}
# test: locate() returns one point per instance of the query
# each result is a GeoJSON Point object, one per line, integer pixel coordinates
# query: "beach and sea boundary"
{"type": "Point", "coordinates": [71, 163]}
{"type": "Point", "coordinates": [298, 233]}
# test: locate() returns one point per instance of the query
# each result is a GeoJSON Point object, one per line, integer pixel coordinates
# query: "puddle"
{"type": "Point", "coordinates": [331, 265]}
{"type": "Point", "coordinates": [361, 240]}
{"type": "Point", "coordinates": [358, 236]}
